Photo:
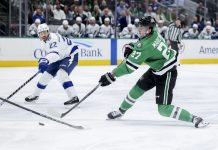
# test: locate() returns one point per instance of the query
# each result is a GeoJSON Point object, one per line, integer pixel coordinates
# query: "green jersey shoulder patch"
{"type": "Point", "coordinates": [139, 45]}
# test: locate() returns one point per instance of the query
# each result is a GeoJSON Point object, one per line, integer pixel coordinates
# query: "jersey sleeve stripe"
{"type": "Point", "coordinates": [131, 66]}
{"type": "Point", "coordinates": [133, 63]}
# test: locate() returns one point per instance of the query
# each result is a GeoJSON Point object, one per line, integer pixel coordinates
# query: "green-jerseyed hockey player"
{"type": "Point", "coordinates": [151, 49]}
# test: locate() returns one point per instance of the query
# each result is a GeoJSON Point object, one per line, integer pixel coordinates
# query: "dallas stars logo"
{"type": "Point", "coordinates": [139, 45]}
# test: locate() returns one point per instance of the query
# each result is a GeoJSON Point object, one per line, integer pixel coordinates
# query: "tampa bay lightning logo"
{"type": "Point", "coordinates": [39, 53]}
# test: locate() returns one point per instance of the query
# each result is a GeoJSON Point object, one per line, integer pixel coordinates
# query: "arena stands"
{"type": "Point", "coordinates": [121, 13]}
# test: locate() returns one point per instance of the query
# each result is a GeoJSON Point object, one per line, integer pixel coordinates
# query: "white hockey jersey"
{"type": "Point", "coordinates": [79, 31]}
{"type": "Point", "coordinates": [67, 33]}
{"type": "Point", "coordinates": [33, 30]}
{"type": "Point", "coordinates": [58, 47]}
{"type": "Point", "coordinates": [126, 33]}
{"type": "Point", "coordinates": [193, 34]}
{"type": "Point", "coordinates": [92, 30]}
{"type": "Point", "coordinates": [106, 31]}
{"type": "Point", "coordinates": [162, 30]}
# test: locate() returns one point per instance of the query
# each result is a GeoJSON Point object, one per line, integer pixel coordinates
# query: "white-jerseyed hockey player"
{"type": "Point", "coordinates": [106, 31]}
{"type": "Point", "coordinates": [33, 28]}
{"type": "Point", "coordinates": [128, 32]}
{"type": "Point", "coordinates": [79, 28]}
{"type": "Point", "coordinates": [92, 29]}
{"type": "Point", "coordinates": [65, 30]}
{"type": "Point", "coordinates": [59, 62]}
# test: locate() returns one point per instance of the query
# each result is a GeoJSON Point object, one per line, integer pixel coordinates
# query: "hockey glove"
{"type": "Point", "coordinates": [43, 64]}
{"type": "Point", "coordinates": [107, 79]}
{"type": "Point", "coordinates": [128, 50]}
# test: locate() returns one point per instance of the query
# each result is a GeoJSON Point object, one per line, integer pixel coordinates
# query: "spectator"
{"type": "Point", "coordinates": [128, 32]}
{"type": "Point", "coordinates": [167, 13]}
{"type": "Point", "coordinates": [68, 13]}
{"type": "Point", "coordinates": [87, 11]}
{"type": "Point", "coordinates": [107, 14]}
{"type": "Point", "coordinates": [153, 4]}
{"type": "Point", "coordinates": [65, 30]}
{"type": "Point", "coordinates": [200, 9]}
{"type": "Point", "coordinates": [160, 16]}
{"type": "Point", "coordinates": [68, 2]}
{"type": "Point", "coordinates": [206, 34]}
{"type": "Point", "coordinates": [121, 8]}
{"type": "Point", "coordinates": [150, 13]}
{"type": "Point", "coordinates": [125, 20]}
{"type": "Point", "coordinates": [97, 14]}
{"type": "Point", "coordinates": [38, 15]}
{"type": "Point", "coordinates": [77, 2]}
{"type": "Point", "coordinates": [136, 9]}
{"type": "Point", "coordinates": [106, 31]}
{"type": "Point", "coordinates": [103, 5]}
{"type": "Point", "coordinates": [58, 13]}
{"type": "Point", "coordinates": [133, 8]}
{"type": "Point", "coordinates": [33, 28]}
{"type": "Point", "coordinates": [50, 13]}
{"type": "Point", "coordinates": [81, 14]}
{"type": "Point", "coordinates": [92, 29]}
{"type": "Point", "coordinates": [79, 28]}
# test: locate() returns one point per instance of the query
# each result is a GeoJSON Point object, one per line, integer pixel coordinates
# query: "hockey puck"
{"type": "Point", "coordinates": [41, 124]}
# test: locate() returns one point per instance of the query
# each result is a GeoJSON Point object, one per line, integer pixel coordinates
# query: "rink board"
{"type": "Point", "coordinates": [16, 52]}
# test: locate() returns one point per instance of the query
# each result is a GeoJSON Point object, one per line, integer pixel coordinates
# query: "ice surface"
{"type": "Point", "coordinates": [142, 128]}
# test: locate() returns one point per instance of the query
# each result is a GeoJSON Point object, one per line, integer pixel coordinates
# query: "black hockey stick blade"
{"type": "Point", "coordinates": [42, 115]}
{"type": "Point", "coordinates": [87, 95]}
{"type": "Point", "coordinates": [18, 89]}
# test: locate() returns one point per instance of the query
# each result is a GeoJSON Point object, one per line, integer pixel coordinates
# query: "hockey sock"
{"type": "Point", "coordinates": [43, 82]}
{"type": "Point", "coordinates": [131, 98]}
{"type": "Point", "coordinates": [64, 79]}
{"type": "Point", "coordinates": [175, 112]}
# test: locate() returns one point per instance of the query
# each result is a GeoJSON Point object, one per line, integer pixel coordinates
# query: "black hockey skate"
{"type": "Point", "coordinates": [72, 101]}
{"type": "Point", "coordinates": [31, 98]}
{"type": "Point", "coordinates": [199, 122]}
{"type": "Point", "coordinates": [116, 114]}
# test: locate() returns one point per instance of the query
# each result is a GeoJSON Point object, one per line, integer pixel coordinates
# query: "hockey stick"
{"type": "Point", "coordinates": [40, 114]}
{"type": "Point", "coordinates": [20, 88]}
{"type": "Point", "coordinates": [95, 88]}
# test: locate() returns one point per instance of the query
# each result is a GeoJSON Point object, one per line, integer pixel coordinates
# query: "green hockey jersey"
{"type": "Point", "coordinates": [153, 51]}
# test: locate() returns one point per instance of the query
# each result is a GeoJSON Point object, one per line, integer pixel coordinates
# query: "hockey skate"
{"type": "Point", "coordinates": [31, 98]}
{"type": "Point", "coordinates": [115, 114]}
{"type": "Point", "coordinates": [73, 100]}
{"type": "Point", "coordinates": [199, 122]}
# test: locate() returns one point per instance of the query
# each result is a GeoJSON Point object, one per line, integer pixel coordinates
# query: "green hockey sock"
{"type": "Point", "coordinates": [175, 112]}
{"type": "Point", "coordinates": [131, 98]}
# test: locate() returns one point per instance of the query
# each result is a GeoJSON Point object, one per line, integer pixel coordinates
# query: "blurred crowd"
{"type": "Point", "coordinates": [97, 18]}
